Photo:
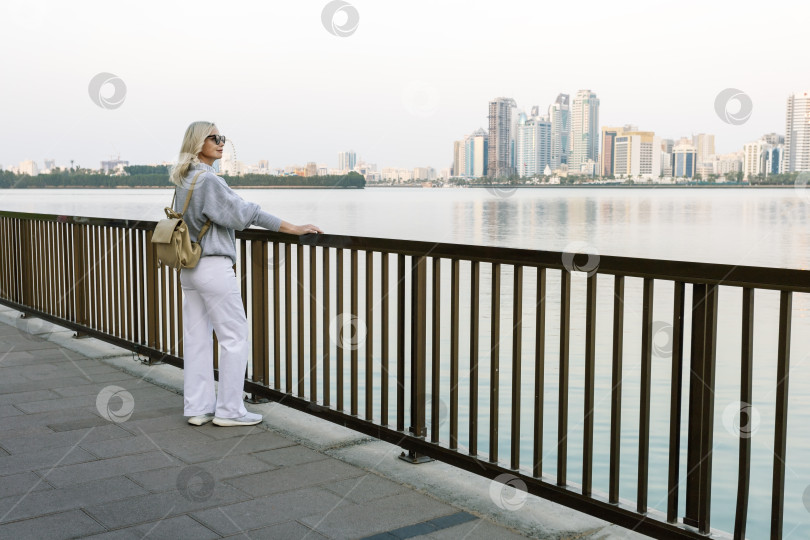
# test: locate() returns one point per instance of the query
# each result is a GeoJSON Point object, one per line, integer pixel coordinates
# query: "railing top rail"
{"type": "Point", "coordinates": [686, 271]}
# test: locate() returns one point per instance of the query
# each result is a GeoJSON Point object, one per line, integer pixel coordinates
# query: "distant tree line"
{"type": "Point", "coordinates": [158, 176]}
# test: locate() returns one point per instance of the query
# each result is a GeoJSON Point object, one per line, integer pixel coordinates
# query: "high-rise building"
{"type": "Point", "coordinates": [704, 143]}
{"type": "Point", "coordinates": [532, 144]}
{"type": "Point", "coordinates": [113, 165]}
{"type": "Point", "coordinates": [725, 164]}
{"type": "Point", "coordinates": [459, 158]}
{"type": "Point", "coordinates": [28, 167]}
{"type": "Point", "coordinates": [559, 115]}
{"type": "Point", "coordinates": [606, 154]}
{"type": "Point", "coordinates": [763, 158]}
{"type": "Point", "coordinates": [347, 160]}
{"type": "Point", "coordinates": [667, 157]}
{"type": "Point", "coordinates": [797, 133]}
{"type": "Point", "coordinates": [684, 160]}
{"type": "Point", "coordinates": [774, 138]}
{"type": "Point", "coordinates": [476, 148]}
{"type": "Point", "coordinates": [636, 154]}
{"type": "Point", "coordinates": [584, 129]}
{"type": "Point", "coordinates": [501, 152]}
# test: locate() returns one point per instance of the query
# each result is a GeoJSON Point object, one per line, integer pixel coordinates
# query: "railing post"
{"type": "Point", "coordinates": [79, 274]}
{"type": "Point", "coordinates": [418, 353]}
{"type": "Point", "coordinates": [151, 306]}
{"type": "Point", "coordinates": [26, 270]}
{"type": "Point", "coordinates": [701, 407]}
{"type": "Point", "coordinates": [259, 312]}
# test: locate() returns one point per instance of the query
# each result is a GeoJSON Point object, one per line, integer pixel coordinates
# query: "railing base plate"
{"type": "Point", "coordinates": [415, 458]}
{"type": "Point", "coordinates": [255, 400]}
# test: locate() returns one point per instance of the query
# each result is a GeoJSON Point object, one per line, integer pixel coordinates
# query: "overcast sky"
{"type": "Point", "coordinates": [410, 79]}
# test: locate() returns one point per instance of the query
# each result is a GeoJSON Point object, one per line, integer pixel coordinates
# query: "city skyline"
{"type": "Point", "coordinates": [347, 159]}
{"type": "Point", "coordinates": [299, 93]}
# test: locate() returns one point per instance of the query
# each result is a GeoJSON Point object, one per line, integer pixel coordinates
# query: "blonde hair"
{"type": "Point", "coordinates": [192, 145]}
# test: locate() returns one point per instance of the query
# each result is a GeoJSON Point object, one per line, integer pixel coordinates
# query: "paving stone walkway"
{"type": "Point", "coordinates": [88, 450]}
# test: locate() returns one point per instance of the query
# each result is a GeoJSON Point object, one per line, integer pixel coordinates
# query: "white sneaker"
{"type": "Point", "coordinates": [250, 419]}
{"type": "Point", "coordinates": [200, 419]}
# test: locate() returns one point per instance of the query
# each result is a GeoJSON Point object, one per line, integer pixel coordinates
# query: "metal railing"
{"type": "Point", "coordinates": [99, 277]}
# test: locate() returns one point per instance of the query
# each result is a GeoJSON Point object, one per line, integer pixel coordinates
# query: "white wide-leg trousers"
{"type": "Point", "coordinates": [212, 300]}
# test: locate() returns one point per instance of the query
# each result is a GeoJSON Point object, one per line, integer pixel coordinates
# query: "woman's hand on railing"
{"type": "Point", "coordinates": [289, 228]}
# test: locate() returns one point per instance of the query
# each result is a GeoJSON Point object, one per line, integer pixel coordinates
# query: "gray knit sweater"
{"type": "Point", "coordinates": [213, 199]}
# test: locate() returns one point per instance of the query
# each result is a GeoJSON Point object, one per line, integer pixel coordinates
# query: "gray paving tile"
{"type": "Point", "coordinates": [73, 524]}
{"type": "Point", "coordinates": [165, 479]}
{"type": "Point", "coordinates": [169, 419]}
{"type": "Point", "coordinates": [95, 387]}
{"type": "Point", "coordinates": [22, 397]}
{"type": "Point", "coordinates": [112, 377]}
{"type": "Point", "coordinates": [176, 528]}
{"type": "Point", "coordinates": [143, 398]}
{"type": "Point", "coordinates": [480, 529]}
{"type": "Point", "coordinates": [295, 477]}
{"type": "Point", "coordinates": [32, 443]}
{"type": "Point", "coordinates": [136, 444]}
{"type": "Point", "coordinates": [290, 530]}
{"type": "Point", "coordinates": [9, 410]}
{"type": "Point", "coordinates": [22, 431]}
{"type": "Point", "coordinates": [47, 418]}
{"type": "Point", "coordinates": [258, 513]}
{"type": "Point", "coordinates": [219, 432]}
{"type": "Point", "coordinates": [58, 404]}
{"type": "Point", "coordinates": [363, 489]}
{"type": "Point", "coordinates": [106, 468]}
{"type": "Point", "coordinates": [34, 344]}
{"type": "Point", "coordinates": [290, 455]}
{"type": "Point", "coordinates": [13, 388]}
{"type": "Point", "coordinates": [58, 500]}
{"type": "Point", "coordinates": [46, 459]}
{"type": "Point", "coordinates": [255, 442]}
{"type": "Point", "coordinates": [387, 514]}
{"type": "Point", "coordinates": [157, 506]}
{"type": "Point", "coordinates": [42, 372]}
{"type": "Point", "coordinates": [45, 356]}
{"type": "Point", "coordinates": [87, 419]}
{"type": "Point", "coordinates": [20, 484]}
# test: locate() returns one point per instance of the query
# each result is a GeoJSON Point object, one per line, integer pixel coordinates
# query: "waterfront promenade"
{"type": "Point", "coordinates": [93, 444]}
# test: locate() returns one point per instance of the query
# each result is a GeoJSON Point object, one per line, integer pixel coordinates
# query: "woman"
{"type": "Point", "coordinates": [211, 294]}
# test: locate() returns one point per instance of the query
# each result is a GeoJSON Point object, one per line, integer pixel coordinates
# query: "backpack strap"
{"type": "Point", "coordinates": [190, 190]}
{"type": "Point", "coordinates": [207, 224]}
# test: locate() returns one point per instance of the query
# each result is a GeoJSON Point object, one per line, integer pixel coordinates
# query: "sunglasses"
{"type": "Point", "coordinates": [218, 139]}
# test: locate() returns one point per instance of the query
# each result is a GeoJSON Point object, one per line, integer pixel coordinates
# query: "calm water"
{"type": "Point", "coordinates": [765, 227]}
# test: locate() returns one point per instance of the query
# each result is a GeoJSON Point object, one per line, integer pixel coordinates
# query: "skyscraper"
{"type": "Point", "coordinates": [559, 115]}
{"type": "Point", "coordinates": [347, 160]}
{"type": "Point", "coordinates": [532, 144]}
{"type": "Point", "coordinates": [606, 156]}
{"type": "Point", "coordinates": [458, 158]}
{"type": "Point", "coordinates": [584, 130]}
{"type": "Point", "coordinates": [705, 147]}
{"type": "Point", "coordinates": [797, 133]}
{"type": "Point", "coordinates": [476, 147]}
{"type": "Point", "coordinates": [500, 138]}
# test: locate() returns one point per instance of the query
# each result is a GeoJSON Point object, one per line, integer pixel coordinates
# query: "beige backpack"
{"type": "Point", "coordinates": [172, 240]}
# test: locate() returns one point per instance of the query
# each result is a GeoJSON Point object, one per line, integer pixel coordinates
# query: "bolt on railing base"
{"type": "Point", "coordinates": [80, 335]}
{"type": "Point", "coordinates": [414, 457]}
